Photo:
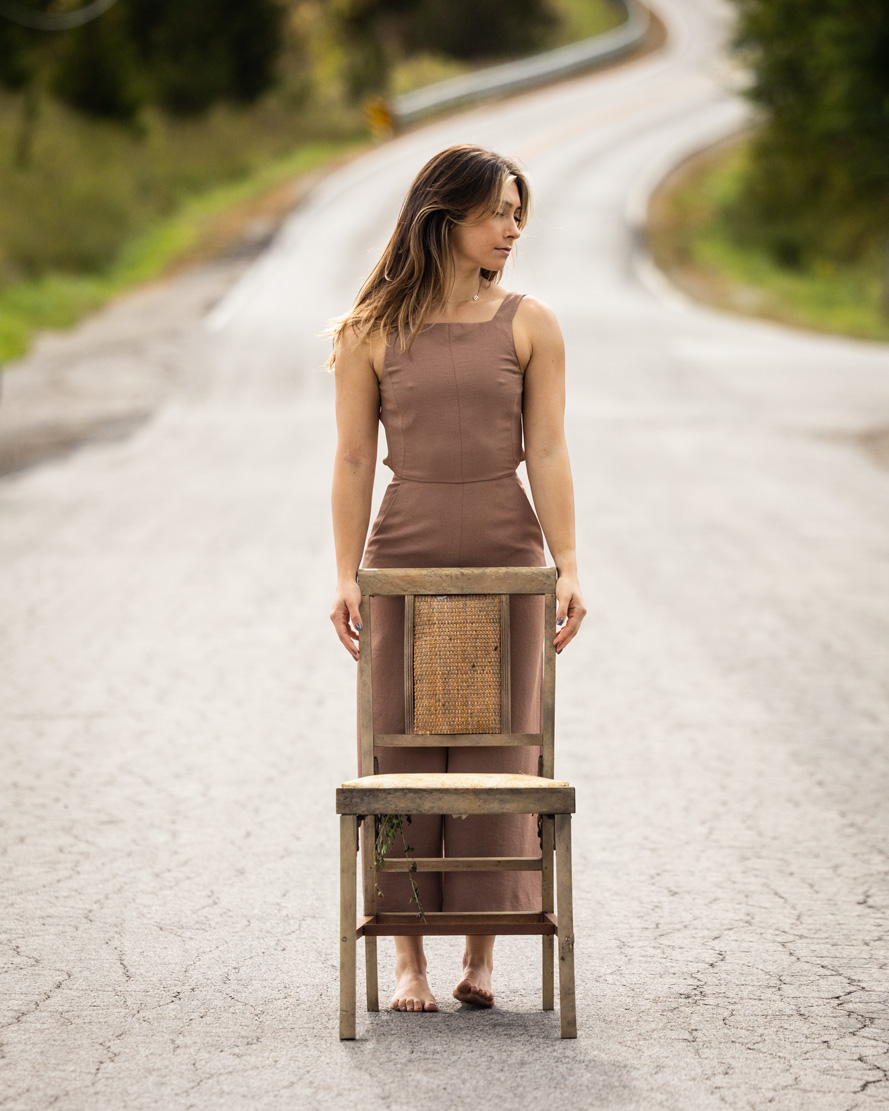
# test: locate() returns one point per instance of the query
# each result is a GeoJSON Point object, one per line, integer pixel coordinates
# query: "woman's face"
{"type": "Point", "coordinates": [486, 246]}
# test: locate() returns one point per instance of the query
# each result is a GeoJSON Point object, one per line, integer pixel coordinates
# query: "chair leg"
{"type": "Point", "coordinates": [370, 970]}
{"type": "Point", "coordinates": [546, 829]}
{"type": "Point", "coordinates": [567, 1001]}
{"type": "Point", "coordinates": [348, 917]}
{"type": "Point", "coordinates": [368, 876]}
{"type": "Point", "coordinates": [548, 957]}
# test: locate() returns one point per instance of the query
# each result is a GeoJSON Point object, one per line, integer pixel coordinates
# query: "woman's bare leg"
{"type": "Point", "coordinates": [412, 992]}
{"type": "Point", "coordinates": [478, 964]}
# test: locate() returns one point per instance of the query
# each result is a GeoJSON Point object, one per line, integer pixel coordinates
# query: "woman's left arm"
{"type": "Point", "coordinates": [546, 455]}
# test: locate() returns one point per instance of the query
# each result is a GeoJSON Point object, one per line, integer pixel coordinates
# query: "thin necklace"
{"type": "Point", "coordinates": [475, 298]}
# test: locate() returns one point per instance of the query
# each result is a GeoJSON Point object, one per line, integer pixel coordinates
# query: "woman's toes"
{"type": "Point", "coordinates": [412, 993]}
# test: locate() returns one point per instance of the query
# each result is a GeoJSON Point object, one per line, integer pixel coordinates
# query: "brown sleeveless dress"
{"type": "Point", "coordinates": [452, 411]}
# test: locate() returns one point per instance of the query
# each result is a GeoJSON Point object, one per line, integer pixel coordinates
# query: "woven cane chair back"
{"type": "Point", "coordinates": [457, 664]}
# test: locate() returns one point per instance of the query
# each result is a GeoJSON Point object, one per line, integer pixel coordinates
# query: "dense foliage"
{"type": "Point", "coordinates": [109, 127]}
{"type": "Point", "coordinates": [378, 33]}
{"type": "Point", "coordinates": [183, 57]}
{"type": "Point", "coordinates": [818, 184]}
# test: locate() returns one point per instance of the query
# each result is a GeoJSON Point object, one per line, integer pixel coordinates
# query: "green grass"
{"type": "Point", "coordinates": [101, 209]}
{"type": "Point", "coordinates": [692, 240]}
{"type": "Point", "coordinates": [59, 299]}
{"type": "Point", "coordinates": [581, 19]}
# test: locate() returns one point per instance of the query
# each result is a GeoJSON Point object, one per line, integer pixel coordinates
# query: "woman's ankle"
{"type": "Point", "coordinates": [409, 955]}
{"type": "Point", "coordinates": [479, 952]}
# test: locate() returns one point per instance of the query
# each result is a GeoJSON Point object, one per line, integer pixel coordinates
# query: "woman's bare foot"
{"type": "Point", "coordinates": [412, 991]}
{"type": "Point", "coordinates": [478, 964]}
{"type": "Point", "coordinates": [475, 987]}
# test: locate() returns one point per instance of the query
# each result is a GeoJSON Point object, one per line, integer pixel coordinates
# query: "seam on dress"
{"type": "Point", "coordinates": [457, 481]}
{"type": "Point", "coordinates": [457, 396]}
{"type": "Point", "coordinates": [400, 429]}
{"type": "Point", "coordinates": [393, 488]}
{"type": "Point", "coordinates": [459, 409]}
{"type": "Point", "coordinates": [460, 436]}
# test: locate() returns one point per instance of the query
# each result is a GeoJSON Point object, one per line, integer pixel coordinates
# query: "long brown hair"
{"type": "Point", "coordinates": [461, 185]}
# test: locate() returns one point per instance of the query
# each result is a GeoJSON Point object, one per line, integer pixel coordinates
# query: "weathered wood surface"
{"type": "Point", "coordinates": [464, 864]}
{"type": "Point", "coordinates": [456, 740]}
{"type": "Point", "coordinates": [371, 974]}
{"type": "Point", "coordinates": [565, 906]}
{"type": "Point", "coordinates": [434, 793]}
{"type": "Point", "coordinates": [458, 580]}
{"type": "Point", "coordinates": [442, 924]}
{"type": "Point", "coordinates": [365, 690]}
{"type": "Point", "coordinates": [549, 687]}
{"type": "Point", "coordinates": [548, 892]}
{"type": "Point", "coordinates": [454, 781]}
{"type": "Point", "coordinates": [348, 935]}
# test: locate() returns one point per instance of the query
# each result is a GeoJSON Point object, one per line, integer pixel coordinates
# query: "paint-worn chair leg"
{"type": "Point", "coordinates": [546, 829]}
{"type": "Point", "coordinates": [371, 976]}
{"type": "Point", "coordinates": [567, 1001]}
{"type": "Point", "coordinates": [348, 915]}
{"type": "Point", "coordinates": [368, 875]}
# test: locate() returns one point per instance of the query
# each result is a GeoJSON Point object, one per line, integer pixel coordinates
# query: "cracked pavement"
{"type": "Point", "coordinates": [176, 711]}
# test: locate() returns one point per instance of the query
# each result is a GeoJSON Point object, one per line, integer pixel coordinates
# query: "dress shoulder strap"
{"type": "Point", "coordinates": [508, 309]}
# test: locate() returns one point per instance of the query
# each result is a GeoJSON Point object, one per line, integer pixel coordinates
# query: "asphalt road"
{"type": "Point", "coordinates": [176, 711]}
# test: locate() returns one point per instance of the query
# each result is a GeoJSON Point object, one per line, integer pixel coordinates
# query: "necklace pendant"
{"type": "Point", "coordinates": [475, 298]}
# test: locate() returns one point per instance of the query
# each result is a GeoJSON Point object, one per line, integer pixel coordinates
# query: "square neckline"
{"type": "Point", "coordinates": [473, 323]}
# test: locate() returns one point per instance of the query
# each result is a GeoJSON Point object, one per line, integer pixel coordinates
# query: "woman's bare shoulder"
{"type": "Point", "coordinates": [355, 350]}
{"type": "Point", "coordinates": [536, 314]}
{"type": "Point", "coordinates": [536, 330]}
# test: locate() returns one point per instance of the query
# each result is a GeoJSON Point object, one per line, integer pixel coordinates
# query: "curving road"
{"type": "Point", "coordinates": [176, 711]}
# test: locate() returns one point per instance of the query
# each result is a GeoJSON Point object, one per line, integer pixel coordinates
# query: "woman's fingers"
{"type": "Point", "coordinates": [569, 615]}
{"type": "Point", "coordinates": [346, 617]}
{"type": "Point", "coordinates": [346, 635]}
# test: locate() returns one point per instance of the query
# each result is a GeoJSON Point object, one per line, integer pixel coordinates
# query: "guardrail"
{"type": "Point", "coordinates": [527, 72]}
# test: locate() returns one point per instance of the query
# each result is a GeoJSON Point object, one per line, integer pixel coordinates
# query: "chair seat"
{"type": "Point", "coordinates": [457, 792]}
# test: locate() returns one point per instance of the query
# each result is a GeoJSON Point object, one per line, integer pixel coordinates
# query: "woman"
{"type": "Point", "coordinates": [457, 369]}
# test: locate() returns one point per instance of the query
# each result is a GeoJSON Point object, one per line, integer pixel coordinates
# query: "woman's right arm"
{"type": "Point", "coordinates": [357, 423]}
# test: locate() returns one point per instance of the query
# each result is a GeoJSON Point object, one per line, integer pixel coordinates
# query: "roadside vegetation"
{"type": "Point", "coordinates": [572, 21]}
{"type": "Point", "coordinates": [693, 239]}
{"type": "Point", "coordinates": [790, 220]}
{"type": "Point", "coordinates": [148, 137]}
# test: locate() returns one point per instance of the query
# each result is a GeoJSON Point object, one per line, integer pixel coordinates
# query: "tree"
{"type": "Point", "coordinates": [97, 70]}
{"type": "Point", "coordinates": [204, 51]}
{"type": "Point", "coordinates": [183, 56]}
{"type": "Point", "coordinates": [819, 172]}
{"type": "Point", "coordinates": [377, 33]}
{"type": "Point", "coordinates": [482, 29]}
{"type": "Point", "coordinates": [25, 56]}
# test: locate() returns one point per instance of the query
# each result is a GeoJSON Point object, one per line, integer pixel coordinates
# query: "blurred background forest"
{"type": "Point", "coordinates": [790, 220]}
{"type": "Point", "coordinates": [123, 139]}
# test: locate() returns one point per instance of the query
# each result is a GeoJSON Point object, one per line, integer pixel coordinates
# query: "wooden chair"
{"type": "Point", "coordinates": [481, 595]}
